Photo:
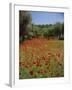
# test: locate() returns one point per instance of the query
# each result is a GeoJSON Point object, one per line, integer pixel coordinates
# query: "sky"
{"type": "Point", "coordinates": [47, 17]}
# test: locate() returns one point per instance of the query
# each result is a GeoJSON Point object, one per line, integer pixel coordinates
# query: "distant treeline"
{"type": "Point", "coordinates": [27, 30]}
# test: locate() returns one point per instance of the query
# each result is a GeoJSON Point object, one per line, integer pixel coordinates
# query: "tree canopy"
{"type": "Point", "coordinates": [28, 30]}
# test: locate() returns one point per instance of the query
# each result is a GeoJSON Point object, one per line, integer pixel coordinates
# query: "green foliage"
{"type": "Point", "coordinates": [24, 21]}
{"type": "Point", "coordinates": [28, 30]}
{"type": "Point", "coordinates": [55, 68]}
{"type": "Point", "coordinates": [56, 30]}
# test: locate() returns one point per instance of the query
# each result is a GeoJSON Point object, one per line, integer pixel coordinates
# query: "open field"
{"type": "Point", "coordinates": [41, 58]}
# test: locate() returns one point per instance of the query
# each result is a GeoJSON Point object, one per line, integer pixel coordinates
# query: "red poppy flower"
{"type": "Point", "coordinates": [31, 72]}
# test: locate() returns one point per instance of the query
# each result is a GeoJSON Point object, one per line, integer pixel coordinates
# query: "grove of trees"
{"type": "Point", "coordinates": [28, 30]}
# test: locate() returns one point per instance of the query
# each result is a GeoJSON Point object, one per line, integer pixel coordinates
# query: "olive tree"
{"type": "Point", "coordinates": [24, 21]}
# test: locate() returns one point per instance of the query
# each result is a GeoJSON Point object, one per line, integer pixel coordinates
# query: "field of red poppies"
{"type": "Point", "coordinates": [41, 58]}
